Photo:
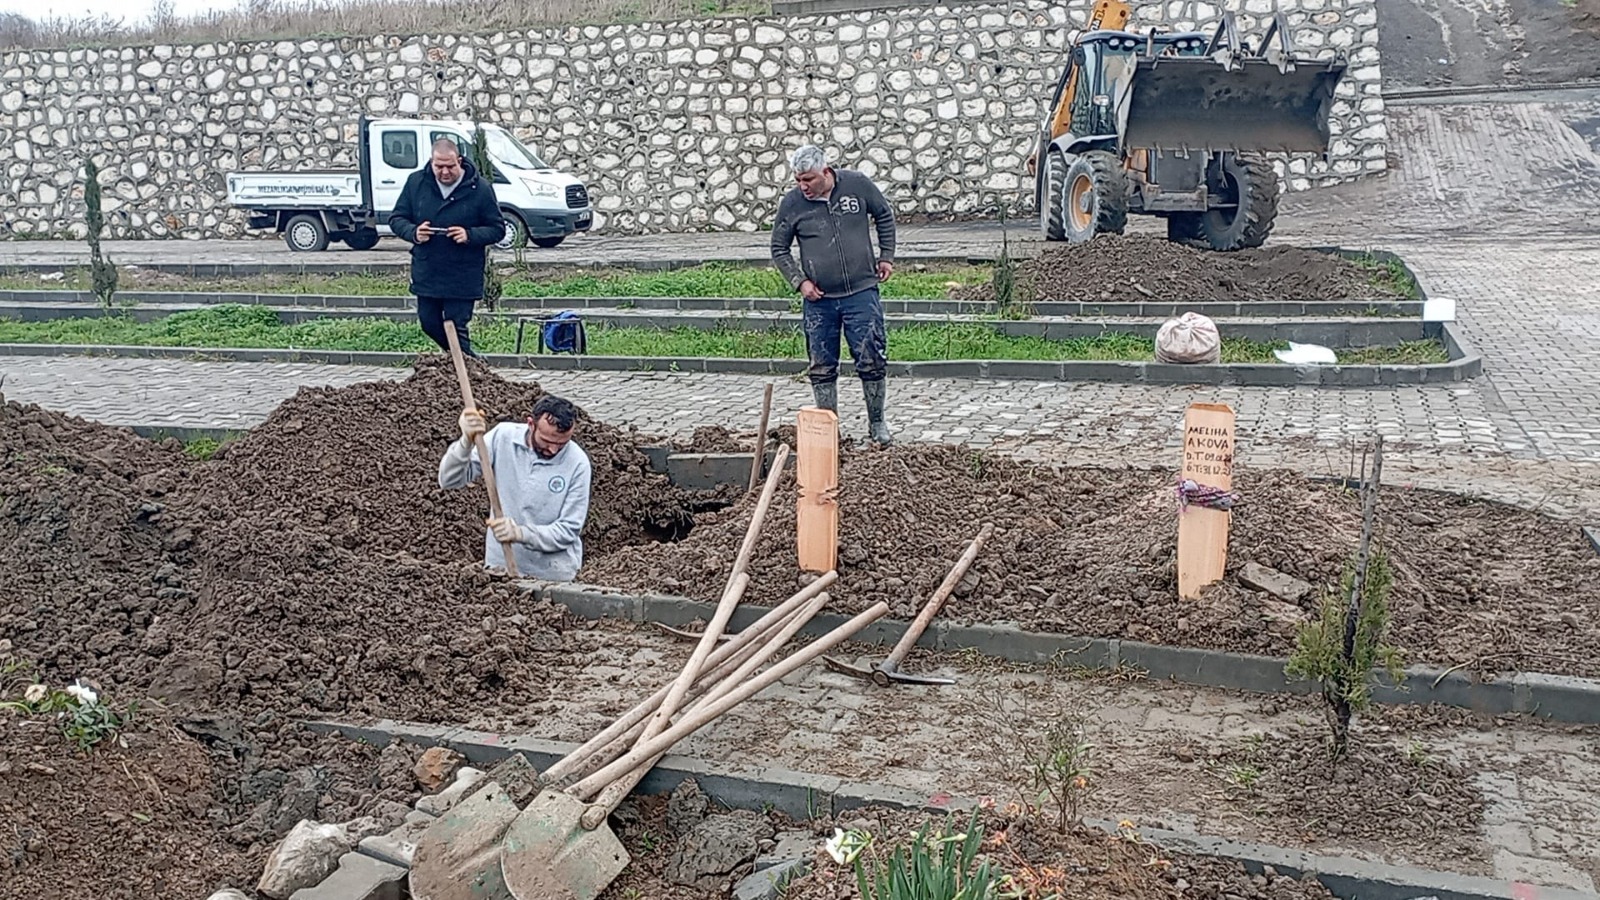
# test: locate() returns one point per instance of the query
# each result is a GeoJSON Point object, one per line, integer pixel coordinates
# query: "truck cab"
{"type": "Point", "coordinates": [541, 205]}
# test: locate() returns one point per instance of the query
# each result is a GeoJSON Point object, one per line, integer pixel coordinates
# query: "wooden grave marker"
{"type": "Point", "coordinates": [817, 472]}
{"type": "Point", "coordinates": [1208, 432]}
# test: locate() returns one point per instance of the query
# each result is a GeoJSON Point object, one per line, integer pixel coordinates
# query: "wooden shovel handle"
{"type": "Point", "coordinates": [936, 602]}
{"type": "Point", "coordinates": [701, 716]}
{"type": "Point", "coordinates": [725, 653]}
{"type": "Point", "coordinates": [613, 793]}
{"type": "Point", "coordinates": [483, 446]}
{"type": "Point", "coordinates": [761, 439]}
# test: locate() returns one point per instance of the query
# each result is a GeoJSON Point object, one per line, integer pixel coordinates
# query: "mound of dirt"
{"type": "Point", "coordinates": [1135, 268]}
{"type": "Point", "coordinates": [312, 567]}
{"type": "Point", "coordinates": [158, 813]}
{"type": "Point", "coordinates": [1092, 552]}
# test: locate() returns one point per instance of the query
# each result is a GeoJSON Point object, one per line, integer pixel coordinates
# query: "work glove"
{"type": "Point", "coordinates": [506, 531]}
{"type": "Point", "coordinates": [472, 426]}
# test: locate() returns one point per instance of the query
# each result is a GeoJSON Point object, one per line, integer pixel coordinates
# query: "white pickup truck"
{"type": "Point", "coordinates": [541, 205]}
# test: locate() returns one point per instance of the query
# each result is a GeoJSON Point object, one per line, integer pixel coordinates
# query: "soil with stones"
{"type": "Point", "coordinates": [1134, 268]}
{"type": "Point", "coordinates": [1077, 863]}
{"type": "Point", "coordinates": [1092, 552]}
{"type": "Point", "coordinates": [156, 812]}
{"type": "Point", "coordinates": [1407, 796]}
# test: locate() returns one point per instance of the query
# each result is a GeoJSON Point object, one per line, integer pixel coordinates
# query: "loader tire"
{"type": "Point", "coordinates": [1250, 182]}
{"type": "Point", "coordinates": [1096, 198]}
{"type": "Point", "coordinates": [1053, 191]}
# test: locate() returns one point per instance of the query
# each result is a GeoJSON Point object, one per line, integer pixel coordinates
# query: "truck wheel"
{"type": "Point", "coordinates": [1096, 200]}
{"type": "Point", "coordinates": [365, 239]}
{"type": "Point", "coordinates": [516, 232]}
{"type": "Point", "coordinates": [1052, 194]}
{"type": "Point", "coordinates": [306, 234]}
{"type": "Point", "coordinates": [1249, 185]}
{"type": "Point", "coordinates": [549, 242]}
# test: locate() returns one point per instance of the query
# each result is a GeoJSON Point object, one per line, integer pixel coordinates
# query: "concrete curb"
{"type": "Point", "coordinates": [804, 795]}
{"type": "Point", "coordinates": [1558, 697]}
{"type": "Point", "coordinates": [1244, 374]}
{"type": "Point", "coordinates": [1353, 308]}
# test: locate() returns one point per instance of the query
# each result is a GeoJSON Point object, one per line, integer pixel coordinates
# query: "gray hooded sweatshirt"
{"type": "Point", "coordinates": [549, 498]}
{"type": "Point", "coordinates": [835, 236]}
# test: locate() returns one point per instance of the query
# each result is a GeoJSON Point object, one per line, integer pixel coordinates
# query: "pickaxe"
{"type": "Point", "coordinates": [888, 672]}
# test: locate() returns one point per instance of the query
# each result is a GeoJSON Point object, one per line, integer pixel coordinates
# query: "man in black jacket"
{"type": "Point", "coordinates": [829, 211]}
{"type": "Point", "coordinates": [451, 217]}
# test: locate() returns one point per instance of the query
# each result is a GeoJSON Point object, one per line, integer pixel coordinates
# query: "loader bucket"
{"type": "Point", "coordinates": [1196, 103]}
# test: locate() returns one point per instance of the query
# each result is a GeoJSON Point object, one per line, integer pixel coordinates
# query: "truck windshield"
{"type": "Point", "coordinates": [510, 151]}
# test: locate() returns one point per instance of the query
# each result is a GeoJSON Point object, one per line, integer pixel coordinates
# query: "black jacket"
{"type": "Point", "coordinates": [440, 267]}
{"type": "Point", "coordinates": [835, 236]}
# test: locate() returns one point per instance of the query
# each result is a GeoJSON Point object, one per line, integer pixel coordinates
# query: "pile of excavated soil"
{"type": "Point", "coordinates": [159, 813]}
{"type": "Point", "coordinates": [1092, 552]}
{"type": "Point", "coordinates": [314, 567]}
{"type": "Point", "coordinates": [1135, 268]}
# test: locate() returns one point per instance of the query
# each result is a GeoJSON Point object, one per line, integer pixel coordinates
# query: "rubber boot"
{"type": "Point", "coordinates": [875, 392]}
{"type": "Point", "coordinates": [826, 395]}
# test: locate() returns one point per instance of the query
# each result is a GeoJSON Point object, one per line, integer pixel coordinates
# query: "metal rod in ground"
{"type": "Point", "coordinates": [761, 438]}
{"type": "Point", "coordinates": [700, 717]}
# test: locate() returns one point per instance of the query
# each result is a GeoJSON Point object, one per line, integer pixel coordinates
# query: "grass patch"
{"type": "Point", "coordinates": [258, 327]}
{"type": "Point", "coordinates": [708, 280]}
{"type": "Point", "coordinates": [1390, 275]}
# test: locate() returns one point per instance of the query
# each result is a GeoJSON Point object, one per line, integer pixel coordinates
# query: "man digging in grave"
{"type": "Point", "coordinates": [543, 477]}
{"type": "Point", "coordinates": [838, 275]}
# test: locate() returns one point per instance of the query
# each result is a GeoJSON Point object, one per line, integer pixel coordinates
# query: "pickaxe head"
{"type": "Point", "coordinates": [882, 674]}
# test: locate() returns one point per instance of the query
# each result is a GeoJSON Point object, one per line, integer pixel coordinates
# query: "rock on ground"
{"type": "Point", "coordinates": [308, 855]}
{"type": "Point", "coordinates": [716, 848]}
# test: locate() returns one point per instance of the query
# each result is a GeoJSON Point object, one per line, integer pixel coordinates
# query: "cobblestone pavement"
{"type": "Point", "coordinates": [1542, 822]}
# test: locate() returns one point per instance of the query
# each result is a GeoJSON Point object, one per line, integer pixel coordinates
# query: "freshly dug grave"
{"type": "Point", "coordinates": [169, 815]}
{"type": "Point", "coordinates": [1135, 268]}
{"type": "Point", "coordinates": [1092, 552]}
{"type": "Point", "coordinates": [666, 844]}
{"type": "Point", "coordinates": [314, 567]}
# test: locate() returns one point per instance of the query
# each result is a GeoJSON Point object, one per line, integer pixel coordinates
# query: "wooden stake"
{"type": "Point", "coordinates": [1203, 532]}
{"type": "Point", "coordinates": [761, 439]}
{"type": "Point", "coordinates": [479, 443]}
{"type": "Point", "coordinates": [817, 472]}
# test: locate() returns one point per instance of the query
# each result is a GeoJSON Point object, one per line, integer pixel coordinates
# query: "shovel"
{"type": "Point", "coordinates": [483, 448]}
{"type": "Point", "coordinates": [547, 854]}
{"type": "Point", "coordinates": [888, 672]}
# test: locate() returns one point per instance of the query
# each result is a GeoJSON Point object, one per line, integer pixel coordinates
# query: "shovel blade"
{"type": "Point", "coordinates": [548, 855]}
{"type": "Point", "coordinates": [458, 857]}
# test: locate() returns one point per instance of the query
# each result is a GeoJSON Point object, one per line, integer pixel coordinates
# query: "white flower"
{"type": "Point", "coordinates": [845, 846]}
{"type": "Point", "coordinates": [35, 694]}
{"type": "Point", "coordinates": [83, 694]}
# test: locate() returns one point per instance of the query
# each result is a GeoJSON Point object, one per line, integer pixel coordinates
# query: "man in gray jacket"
{"type": "Point", "coordinates": [543, 479]}
{"type": "Point", "coordinates": [838, 275]}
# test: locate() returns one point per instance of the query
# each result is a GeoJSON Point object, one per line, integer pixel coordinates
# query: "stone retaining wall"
{"type": "Point", "coordinates": [674, 126]}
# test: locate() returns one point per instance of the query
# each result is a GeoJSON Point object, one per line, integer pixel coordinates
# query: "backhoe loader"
{"type": "Point", "coordinates": [1176, 124]}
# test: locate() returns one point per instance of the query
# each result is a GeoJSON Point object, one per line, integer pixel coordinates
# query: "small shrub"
{"type": "Point", "coordinates": [102, 272]}
{"type": "Point", "coordinates": [86, 719]}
